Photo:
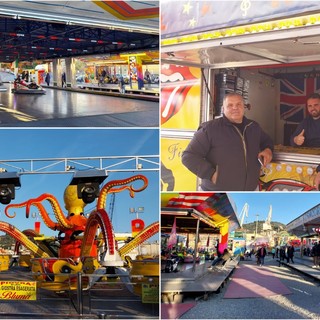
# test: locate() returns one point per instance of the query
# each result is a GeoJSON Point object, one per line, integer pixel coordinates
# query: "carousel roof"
{"type": "Point", "coordinates": [212, 210]}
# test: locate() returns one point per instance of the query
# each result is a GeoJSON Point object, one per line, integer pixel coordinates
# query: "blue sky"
{"type": "Point", "coordinates": [286, 206]}
{"type": "Point", "coordinates": [67, 143]}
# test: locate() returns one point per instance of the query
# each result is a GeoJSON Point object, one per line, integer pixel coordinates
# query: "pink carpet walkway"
{"type": "Point", "coordinates": [175, 310]}
{"type": "Point", "coordinates": [252, 281]}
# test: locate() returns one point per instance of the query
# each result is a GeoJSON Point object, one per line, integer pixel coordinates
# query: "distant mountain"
{"type": "Point", "coordinates": [251, 227]}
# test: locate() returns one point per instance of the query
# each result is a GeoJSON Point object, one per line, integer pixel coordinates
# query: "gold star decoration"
{"type": "Point", "coordinates": [192, 22]}
{"type": "Point", "coordinates": [187, 7]}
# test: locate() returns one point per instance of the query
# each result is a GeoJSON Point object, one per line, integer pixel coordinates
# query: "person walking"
{"type": "Point", "coordinates": [282, 255]}
{"type": "Point", "coordinates": [225, 153]}
{"type": "Point", "coordinates": [261, 253]}
{"type": "Point", "coordinates": [315, 253]}
{"type": "Point", "coordinates": [290, 254]}
{"type": "Point", "coordinates": [63, 79]}
{"type": "Point", "coordinates": [122, 87]}
{"type": "Point", "coordinates": [47, 79]}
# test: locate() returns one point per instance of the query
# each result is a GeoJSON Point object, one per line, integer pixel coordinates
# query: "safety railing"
{"type": "Point", "coordinates": [95, 296]}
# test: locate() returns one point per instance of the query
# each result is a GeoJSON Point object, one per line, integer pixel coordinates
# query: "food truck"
{"type": "Point", "coordinates": [268, 51]}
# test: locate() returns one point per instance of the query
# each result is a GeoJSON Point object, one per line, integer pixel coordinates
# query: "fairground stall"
{"type": "Point", "coordinates": [204, 221]}
{"type": "Point", "coordinates": [268, 51]}
{"type": "Point", "coordinates": [307, 228]}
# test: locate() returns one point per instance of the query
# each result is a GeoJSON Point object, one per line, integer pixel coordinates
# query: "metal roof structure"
{"type": "Point", "coordinates": [211, 214]}
{"type": "Point", "coordinates": [40, 30]}
{"type": "Point", "coordinates": [304, 225]}
{"type": "Point", "coordinates": [186, 221]}
{"type": "Point", "coordinates": [269, 34]}
{"type": "Point", "coordinates": [70, 165]}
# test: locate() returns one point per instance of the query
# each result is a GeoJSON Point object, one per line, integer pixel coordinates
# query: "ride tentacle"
{"type": "Point", "coordinates": [61, 218]}
{"type": "Point", "coordinates": [42, 211]}
{"type": "Point", "coordinates": [110, 188]}
{"type": "Point", "coordinates": [62, 223]}
{"type": "Point", "coordinates": [142, 236]}
{"type": "Point", "coordinates": [97, 219]}
{"type": "Point", "coordinates": [76, 248]}
{"type": "Point", "coordinates": [30, 233]}
{"type": "Point", "coordinates": [19, 236]}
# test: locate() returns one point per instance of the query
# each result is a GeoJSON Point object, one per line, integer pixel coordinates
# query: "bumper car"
{"type": "Point", "coordinates": [24, 87]}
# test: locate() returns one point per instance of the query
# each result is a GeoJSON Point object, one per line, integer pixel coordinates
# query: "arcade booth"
{"type": "Point", "coordinates": [267, 52]}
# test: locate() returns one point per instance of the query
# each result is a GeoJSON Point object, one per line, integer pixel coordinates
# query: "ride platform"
{"type": "Point", "coordinates": [200, 280]}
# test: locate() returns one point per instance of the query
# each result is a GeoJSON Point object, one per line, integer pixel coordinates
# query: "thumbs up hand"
{"type": "Point", "coordinates": [299, 139]}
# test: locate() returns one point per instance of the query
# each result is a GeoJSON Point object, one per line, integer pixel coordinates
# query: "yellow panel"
{"type": "Point", "coordinates": [178, 177]}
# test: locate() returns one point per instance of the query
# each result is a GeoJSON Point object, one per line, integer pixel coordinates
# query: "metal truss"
{"type": "Point", "coordinates": [67, 165]}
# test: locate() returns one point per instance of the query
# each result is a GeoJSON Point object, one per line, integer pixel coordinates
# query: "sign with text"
{"type": "Point", "coordinates": [174, 175]}
{"type": "Point", "coordinates": [150, 293]}
{"type": "Point", "coordinates": [18, 290]}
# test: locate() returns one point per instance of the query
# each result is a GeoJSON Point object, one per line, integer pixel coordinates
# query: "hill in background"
{"type": "Point", "coordinates": [251, 227]}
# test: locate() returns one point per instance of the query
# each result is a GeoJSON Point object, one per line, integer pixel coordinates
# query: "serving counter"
{"type": "Point", "coordinates": [292, 169]}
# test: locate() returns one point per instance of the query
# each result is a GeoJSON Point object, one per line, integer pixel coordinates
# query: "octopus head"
{"type": "Point", "coordinates": [73, 204]}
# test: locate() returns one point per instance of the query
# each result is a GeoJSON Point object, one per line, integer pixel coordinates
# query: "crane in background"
{"type": "Point", "coordinates": [244, 213]}
{"type": "Point", "coordinates": [111, 205]}
{"type": "Point", "coordinates": [267, 224]}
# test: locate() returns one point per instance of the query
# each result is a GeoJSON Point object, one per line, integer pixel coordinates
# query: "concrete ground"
{"type": "Point", "coordinates": [73, 107]}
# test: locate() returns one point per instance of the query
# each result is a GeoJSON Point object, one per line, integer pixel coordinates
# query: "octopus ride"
{"type": "Point", "coordinates": [86, 245]}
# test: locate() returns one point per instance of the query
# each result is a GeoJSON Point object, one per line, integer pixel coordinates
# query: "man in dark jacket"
{"type": "Point", "coordinates": [261, 253]}
{"type": "Point", "coordinates": [290, 254]}
{"type": "Point", "coordinates": [227, 152]}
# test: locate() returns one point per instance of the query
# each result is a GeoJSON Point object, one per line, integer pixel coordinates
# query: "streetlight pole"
{"type": "Point", "coordinates": [257, 215]}
{"type": "Point", "coordinates": [136, 211]}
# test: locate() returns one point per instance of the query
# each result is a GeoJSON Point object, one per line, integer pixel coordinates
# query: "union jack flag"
{"type": "Point", "coordinates": [294, 92]}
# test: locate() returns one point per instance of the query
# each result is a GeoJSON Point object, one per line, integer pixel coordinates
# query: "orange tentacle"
{"type": "Point", "coordinates": [109, 188]}
{"type": "Point", "coordinates": [45, 216]}
{"type": "Point", "coordinates": [14, 205]}
{"type": "Point", "coordinates": [62, 220]}
{"type": "Point", "coordinates": [97, 219]}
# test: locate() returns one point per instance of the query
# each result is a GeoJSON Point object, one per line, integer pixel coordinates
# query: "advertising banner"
{"type": "Point", "coordinates": [180, 97]}
{"type": "Point", "coordinates": [18, 290]}
{"type": "Point", "coordinates": [174, 175]}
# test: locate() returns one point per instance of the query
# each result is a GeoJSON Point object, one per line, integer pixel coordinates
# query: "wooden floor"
{"type": "Point", "coordinates": [200, 279]}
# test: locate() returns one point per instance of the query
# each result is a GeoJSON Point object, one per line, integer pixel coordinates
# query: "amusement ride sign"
{"type": "Point", "coordinates": [18, 290]}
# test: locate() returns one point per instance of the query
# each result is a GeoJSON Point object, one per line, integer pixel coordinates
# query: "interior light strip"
{"type": "Point", "coordinates": [269, 26]}
{"type": "Point", "coordinates": [71, 21]}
